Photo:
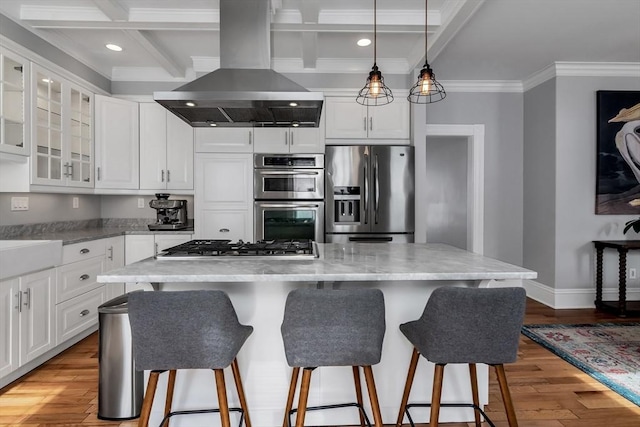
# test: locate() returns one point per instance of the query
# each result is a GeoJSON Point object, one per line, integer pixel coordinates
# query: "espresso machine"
{"type": "Point", "coordinates": [171, 214]}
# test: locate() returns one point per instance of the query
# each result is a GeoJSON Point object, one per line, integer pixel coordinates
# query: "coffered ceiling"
{"type": "Point", "coordinates": [175, 40]}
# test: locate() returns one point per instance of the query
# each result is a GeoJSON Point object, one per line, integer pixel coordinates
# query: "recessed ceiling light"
{"type": "Point", "coordinates": [47, 80]}
{"type": "Point", "coordinates": [190, 104]}
{"type": "Point", "coordinates": [113, 47]}
{"type": "Point", "coordinates": [293, 104]}
{"type": "Point", "coordinates": [364, 42]}
{"type": "Point", "coordinates": [213, 124]}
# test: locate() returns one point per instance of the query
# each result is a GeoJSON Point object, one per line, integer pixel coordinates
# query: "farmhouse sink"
{"type": "Point", "coordinates": [18, 257]}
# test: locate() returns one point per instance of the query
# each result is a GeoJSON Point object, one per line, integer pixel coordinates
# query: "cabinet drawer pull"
{"type": "Point", "coordinates": [84, 312]}
{"type": "Point", "coordinates": [84, 277]}
{"type": "Point", "coordinates": [84, 251]}
{"type": "Point", "coordinates": [168, 175]}
{"type": "Point", "coordinates": [224, 230]}
{"type": "Point", "coordinates": [110, 253]}
{"type": "Point", "coordinates": [162, 178]}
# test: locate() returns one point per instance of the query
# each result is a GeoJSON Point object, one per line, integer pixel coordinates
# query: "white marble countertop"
{"type": "Point", "coordinates": [337, 262]}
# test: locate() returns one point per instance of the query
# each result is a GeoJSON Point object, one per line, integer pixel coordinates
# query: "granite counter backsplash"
{"type": "Point", "coordinates": [79, 231]}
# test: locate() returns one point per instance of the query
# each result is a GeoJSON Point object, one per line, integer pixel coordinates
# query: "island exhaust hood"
{"type": "Point", "coordinates": [244, 91]}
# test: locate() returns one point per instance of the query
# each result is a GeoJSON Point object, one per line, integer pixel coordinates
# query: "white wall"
{"type": "Point", "coordinates": [127, 206]}
{"type": "Point", "coordinates": [49, 208]}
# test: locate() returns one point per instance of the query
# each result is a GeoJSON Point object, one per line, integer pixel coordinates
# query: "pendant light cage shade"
{"type": "Point", "coordinates": [374, 92]}
{"type": "Point", "coordinates": [427, 90]}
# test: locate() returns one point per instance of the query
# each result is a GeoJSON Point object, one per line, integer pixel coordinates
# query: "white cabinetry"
{"type": "Point", "coordinates": [61, 116]}
{"type": "Point", "coordinates": [346, 119]}
{"type": "Point", "coordinates": [224, 140]}
{"type": "Point", "coordinates": [26, 330]}
{"type": "Point", "coordinates": [114, 247]}
{"type": "Point", "coordinates": [117, 143]}
{"type": "Point", "coordinates": [224, 196]}
{"type": "Point", "coordinates": [166, 144]}
{"type": "Point", "coordinates": [14, 92]}
{"type": "Point", "coordinates": [288, 140]}
{"type": "Point", "coordinates": [78, 294]}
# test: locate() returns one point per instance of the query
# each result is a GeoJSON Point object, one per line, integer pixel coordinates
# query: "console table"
{"type": "Point", "coordinates": [621, 307]}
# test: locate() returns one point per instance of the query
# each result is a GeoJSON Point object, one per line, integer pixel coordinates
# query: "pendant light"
{"type": "Point", "coordinates": [374, 92]}
{"type": "Point", "coordinates": [427, 90]}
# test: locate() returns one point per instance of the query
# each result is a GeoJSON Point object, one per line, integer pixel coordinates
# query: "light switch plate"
{"type": "Point", "coordinates": [76, 203]}
{"type": "Point", "coordinates": [141, 202]}
{"type": "Point", "coordinates": [19, 203]}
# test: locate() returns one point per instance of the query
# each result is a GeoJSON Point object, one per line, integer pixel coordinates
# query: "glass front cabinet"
{"type": "Point", "coordinates": [62, 134]}
{"type": "Point", "coordinates": [14, 78]}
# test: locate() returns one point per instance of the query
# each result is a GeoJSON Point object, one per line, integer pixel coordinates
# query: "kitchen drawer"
{"type": "Point", "coordinates": [80, 251]}
{"type": "Point", "coordinates": [77, 314]}
{"type": "Point", "coordinates": [77, 278]}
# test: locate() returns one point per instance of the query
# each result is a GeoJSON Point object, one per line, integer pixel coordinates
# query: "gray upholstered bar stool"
{"type": "Point", "coordinates": [466, 325]}
{"type": "Point", "coordinates": [187, 330]}
{"type": "Point", "coordinates": [333, 328]}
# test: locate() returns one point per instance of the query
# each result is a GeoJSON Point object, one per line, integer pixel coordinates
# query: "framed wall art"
{"type": "Point", "coordinates": [618, 155]}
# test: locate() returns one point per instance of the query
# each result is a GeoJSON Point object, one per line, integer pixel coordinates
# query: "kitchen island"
{"type": "Point", "coordinates": [406, 273]}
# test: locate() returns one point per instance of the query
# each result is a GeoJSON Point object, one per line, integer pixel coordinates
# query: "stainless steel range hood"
{"type": "Point", "coordinates": [244, 91]}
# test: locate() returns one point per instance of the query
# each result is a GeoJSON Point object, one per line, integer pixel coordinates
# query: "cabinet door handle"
{"type": "Point", "coordinates": [364, 124]}
{"type": "Point", "coordinates": [98, 173]}
{"type": "Point", "coordinates": [110, 253]}
{"type": "Point", "coordinates": [286, 138]}
{"type": "Point", "coordinates": [291, 138]}
{"type": "Point", "coordinates": [84, 251]}
{"type": "Point", "coordinates": [27, 303]}
{"type": "Point", "coordinates": [168, 175]}
{"type": "Point", "coordinates": [250, 137]}
{"type": "Point", "coordinates": [156, 250]}
{"type": "Point", "coordinates": [84, 312]}
{"type": "Point", "coordinates": [66, 169]}
{"type": "Point", "coordinates": [162, 177]}
{"type": "Point", "coordinates": [70, 170]}
{"type": "Point", "coordinates": [370, 123]}
{"type": "Point", "coordinates": [224, 230]}
{"type": "Point", "coordinates": [19, 298]}
{"type": "Point", "coordinates": [84, 277]}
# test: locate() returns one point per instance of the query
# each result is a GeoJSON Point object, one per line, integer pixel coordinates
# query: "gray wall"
{"type": "Point", "coordinates": [49, 208]}
{"type": "Point", "coordinates": [539, 187]}
{"type": "Point", "coordinates": [446, 191]}
{"type": "Point", "coordinates": [576, 222]}
{"type": "Point", "coordinates": [127, 206]}
{"type": "Point", "coordinates": [502, 115]}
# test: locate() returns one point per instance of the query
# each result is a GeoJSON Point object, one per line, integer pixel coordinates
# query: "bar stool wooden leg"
{"type": "Point", "coordinates": [292, 393]}
{"type": "Point", "coordinates": [436, 395]}
{"type": "Point", "coordinates": [222, 398]}
{"type": "Point", "coordinates": [304, 395]}
{"type": "Point", "coordinates": [373, 395]}
{"type": "Point", "coordinates": [356, 382]}
{"type": "Point", "coordinates": [407, 385]}
{"type": "Point", "coordinates": [169, 400]}
{"type": "Point", "coordinates": [474, 391]}
{"type": "Point", "coordinates": [243, 400]}
{"type": "Point", "coordinates": [145, 412]}
{"type": "Point", "coordinates": [506, 396]}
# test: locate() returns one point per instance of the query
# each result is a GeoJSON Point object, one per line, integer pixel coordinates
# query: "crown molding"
{"type": "Point", "coordinates": [509, 86]}
{"type": "Point", "coordinates": [582, 69]}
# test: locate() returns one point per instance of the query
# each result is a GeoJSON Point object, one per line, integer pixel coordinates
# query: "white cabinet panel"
{"type": "Point", "coordinates": [345, 118]}
{"type": "Point", "coordinates": [224, 140]}
{"type": "Point", "coordinates": [138, 247]}
{"type": "Point", "coordinates": [78, 277]}
{"type": "Point", "coordinates": [288, 140]}
{"type": "Point", "coordinates": [36, 326]}
{"type": "Point", "coordinates": [9, 326]}
{"type": "Point", "coordinates": [114, 247]}
{"type": "Point", "coordinates": [179, 154]}
{"type": "Point", "coordinates": [82, 251]}
{"type": "Point", "coordinates": [77, 314]}
{"type": "Point", "coordinates": [117, 143]}
{"type": "Point", "coordinates": [232, 225]}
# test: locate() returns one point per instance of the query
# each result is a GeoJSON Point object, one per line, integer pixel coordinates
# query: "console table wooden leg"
{"type": "Point", "coordinates": [622, 285]}
{"type": "Point", "coordinates": [599, 255]}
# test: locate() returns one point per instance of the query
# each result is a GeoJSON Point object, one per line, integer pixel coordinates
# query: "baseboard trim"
{"type": "Point", "coordinates": [572, 298]}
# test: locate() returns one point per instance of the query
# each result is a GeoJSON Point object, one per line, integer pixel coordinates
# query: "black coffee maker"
{"type": "Point", "coordinates": [171, 214]}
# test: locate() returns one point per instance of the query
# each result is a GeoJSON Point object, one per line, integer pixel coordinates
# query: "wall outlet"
{"type": "Point", "coordinates": [632, 273]}
{"type": "Point", "coordinates": [141, 202]}
{"type": "Point", "coordinates": [19, 203]}
{"type": "Point", "coordinates": [76, 203]}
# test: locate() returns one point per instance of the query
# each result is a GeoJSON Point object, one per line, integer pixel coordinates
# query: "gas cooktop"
{"type": "Point", "coordinates": [216, 249]}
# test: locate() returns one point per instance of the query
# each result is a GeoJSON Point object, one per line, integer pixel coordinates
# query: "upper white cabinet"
{"type": "Point", "coordinates": [224, 140]}
{"type": "Point", "coordinates": [288, 140]}
{"type": "Point", "coordinates": [117, 143]}
{"type": "Point", "coordinates": [166, 147]}
{"type": "Point", "coordinates": [14, 93]}
{"type": "Point", "coordinates": [346, 119]}
{"type": "Point", "coordinates": [62, 152]}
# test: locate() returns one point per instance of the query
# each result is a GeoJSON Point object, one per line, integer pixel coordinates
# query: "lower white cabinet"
{"type": "Point", "coordinates": [114, 258]}
{"type": "Point", "coordinates": [77, 314]}
{"type": "Point", "coordinates": [26, 329]}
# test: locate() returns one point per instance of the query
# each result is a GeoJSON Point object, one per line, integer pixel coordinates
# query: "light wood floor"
{"type": "Point", "coordinates": [547, 391]}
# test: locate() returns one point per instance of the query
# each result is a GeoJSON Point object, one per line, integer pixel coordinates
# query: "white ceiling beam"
{"type": "Point", "coordinates": [112, 9]}
{"type": "Point", "coordinates": [148, 42]}
{"type": "Point", "coordinates": [309, 11]}
{"type": "Point", "coordinates": [309, 50]}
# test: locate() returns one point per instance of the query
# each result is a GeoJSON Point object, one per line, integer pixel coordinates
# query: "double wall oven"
{"type": "Point", "coordinates": [289, 196]}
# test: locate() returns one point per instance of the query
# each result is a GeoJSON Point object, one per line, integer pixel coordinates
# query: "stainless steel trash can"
{"type": "Point", "coordinates": [120, 388]}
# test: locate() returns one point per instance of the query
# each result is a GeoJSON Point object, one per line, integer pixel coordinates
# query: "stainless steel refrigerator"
{"type": "Point", "coordinates": [369, 193]}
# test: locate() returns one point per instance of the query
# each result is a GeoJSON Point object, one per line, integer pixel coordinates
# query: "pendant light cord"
{"type": "Point", "coordinates": [426, 31]}
{"type": "Point", "coordinates": [375, 36]}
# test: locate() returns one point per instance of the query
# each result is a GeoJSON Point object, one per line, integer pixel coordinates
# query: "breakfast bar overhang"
{"type": "Point", "coordinates": [406, 274]}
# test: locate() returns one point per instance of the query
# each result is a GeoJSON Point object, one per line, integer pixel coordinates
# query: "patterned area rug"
{"type": "Point", "coordinates": [608, 352]}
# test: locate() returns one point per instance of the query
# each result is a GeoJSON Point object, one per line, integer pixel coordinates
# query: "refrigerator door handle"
{"type": "Point", "coordinates": [366, 190]}
{"type": "Point", "coordinates": [376, 189]}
